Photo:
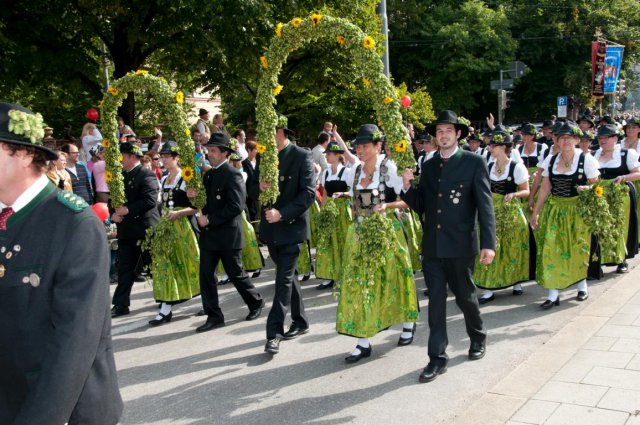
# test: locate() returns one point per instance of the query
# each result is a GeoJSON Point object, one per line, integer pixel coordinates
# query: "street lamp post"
{"type": "Point", "coordinates": [382, 11]}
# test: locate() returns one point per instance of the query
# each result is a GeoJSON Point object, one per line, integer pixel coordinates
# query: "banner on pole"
{"type": "Point", "coordinates": [612, 64]}
{"type": "Point", "coordinates": [598, 54]}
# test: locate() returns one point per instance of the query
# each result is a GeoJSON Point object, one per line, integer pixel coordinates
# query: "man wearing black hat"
{"type": "Point", "coordinates": [133, 219]}
{"type": "Point", "coordinates": [454, 191]}
{"type": "Point", "coordinates": [547, 131]}
{"type": "Point", "coordinates": [203, 124]}
{"type": "Point", "coordinates": [221, 234]}
{"type": "Point", "coordinates": [284, 226]}
{"type": "Point", "coordinates": [56, 360]}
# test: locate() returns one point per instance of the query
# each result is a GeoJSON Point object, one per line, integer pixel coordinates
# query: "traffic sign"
{"type": "Point", "coordinates": [562, 106]}
{"type": "Point", "coordinates": [517, 69]}
{"type": "Point", "coordinates": [506, 84]}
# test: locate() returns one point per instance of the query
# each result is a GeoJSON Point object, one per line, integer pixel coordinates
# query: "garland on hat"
{"type": "Point", "coordinates": [27, 125]}
{"type": "Point", "coordinates": [345, 35]}
{"type": "Point", "coordinates": [169, 103]}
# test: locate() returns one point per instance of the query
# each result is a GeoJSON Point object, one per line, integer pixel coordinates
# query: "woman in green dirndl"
{"type": "Point", "coordinates": [515, 253]}
{"type": "Point", "coordinates": [619, 166]}
{"type": "Point", "coordinates": [176, 270]}
{"type": "Point", "coordinates": [374, 297]}
{"type": "Point", "coordinates": [632, 135]}
{"type": "Point", "coordinates": [564, 241]}
{"type": "Point", "coordinates": [334, 218]}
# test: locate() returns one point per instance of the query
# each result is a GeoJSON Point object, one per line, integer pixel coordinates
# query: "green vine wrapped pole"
{"type": "Point", "coordinates": [344, 35]}
{"type": "Point", "coordinates": [169, 103]}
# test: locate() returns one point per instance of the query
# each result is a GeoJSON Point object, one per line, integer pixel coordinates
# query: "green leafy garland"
{"type": "Point", "coordinates": [507, 216]}
{"type": "Point", "coordinates": [345, 35]}
{"type": "Point", "coordinates": [326, 222]}
{"type": "Point", "coordinates": [169, 103]}
{"type": "Point", "coordinates": [594, 209]}
{"type": "Point", "coordinates": [615, 195]}
{"type": "Point", "coordinates": [160, 241]}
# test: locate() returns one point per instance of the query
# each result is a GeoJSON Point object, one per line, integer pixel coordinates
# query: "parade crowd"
{"type": "Point", "coordinates": [488, 210]}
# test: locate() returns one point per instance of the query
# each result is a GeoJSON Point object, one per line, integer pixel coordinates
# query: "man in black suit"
{"type": "Point", "coordinates": [221, 236]}
{"type": "Point", "coordinates": [284, 226]}
{"type": "Point", "coordinates": [250, 167]}
{"type": "Point", "coordinates": [56, 355]}
{"type": "Point", "coordinates": [453, 193]}
{"type": "Point", "coordinates": [133, 219]}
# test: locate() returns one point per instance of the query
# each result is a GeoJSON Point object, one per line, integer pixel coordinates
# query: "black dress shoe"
{"type": "Point", "coordinates": [406, 341]}
{"type": "Point", "coordinates": [582, 295]}
{"type": "Point", "coordinates": [224, 281]}
{"type": "Point", "coordinates": [255, 313]}
{"type": "Point", "coordinates": [200, 313]}
{"type": "Point", "coordinates": [163, 318]}
{"type": "Point", "coordinates": [140, 278]}
{"type": "Point", "coordinates": [364, 352]}
{"type": "Point", "coordinates": [295, 331]}
{"type": "Point", "coordinates": [517, 292]}
{"type": "Point", "coordinates": [209, 325]}
{"type": "Point", "coordinates": [622, 268]}
{"type": "Point", "coordinates": [477, 350]}
{"type": "Point", "coordinates": [426, 292]}
{"type": "Point", "coordinates": [482, 300]}
{"type": "Point", "coordinates": [431, 372]}
{"type": "Point", "coordinates": [256, 274]}
{"type": "Point", "coordinates": [272, 346]}
{"type": "Point", "coordinates": [548, 304]}
{"type": "Point", "coordinates": [325, 286]}
{"type": "Point", "coordinates": [119, 310]}
{"type": "Point", "coordinates": [305, 277]}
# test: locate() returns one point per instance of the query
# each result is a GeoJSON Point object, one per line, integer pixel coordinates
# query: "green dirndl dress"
{"type": "Point", "coordinates": [251, 255]}
{"type": "Point", "coordinates": [176, 275]}
{"type": "Point", "coordinates": [304, 260]}
{"type": "Point", "coordinates": [413, 232]}
{"type": "Point", "coordinates": [363, 309]}
{"type": "Point", "coordinates": [513, 262]}
{"type": "Point", "coordinates": [329, 251]}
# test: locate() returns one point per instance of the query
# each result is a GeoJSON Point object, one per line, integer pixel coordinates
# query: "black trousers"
{"type": "Point", "coordinates": [457, 273]}
{"type": "Point", "coordinates": [288, 290]}
{"type": "Point", "coordinates": [130, 256]}
{"type": "Point", "coordinates": [232, 263]}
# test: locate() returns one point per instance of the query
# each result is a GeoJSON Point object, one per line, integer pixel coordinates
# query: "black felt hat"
{"type": "Point", "coordinates": [368, 133]}
{"type": "Point", "coordinates": [283, 123]}
{"type": "Point", "coordinates": [20, 126]}
{"type": "Point", "coordinates": [475, 137]}
{"type": "Point", "coordinates": [568, 128]}
{"type": "Point", "coordinates": [588, 119]}
{"type": "Point", "coordinates": [607, 130]}
{"type": "Point", "coordinates": [547, 123]}
{"type": "Point", "coordinates": [202, 112]}
{"type": "Point", "coordinates": [423, 137]}
{"type": "Point", "coordinates": [448, 117]}
{"type": "Point", "coordinates": [529, 128]}
{"type": "Point", "coordinates": [333, 147]}
{"type": "Point", "coordinates": [131, 148]}
{"type": "Point", "coordinates": [221, 140]}
{"type": "Point", "coordinates": [631, 121]}
{"type": "Point", "coordinates": [500, 136]}
{"type": "Point", "coordinates": [169, 148]}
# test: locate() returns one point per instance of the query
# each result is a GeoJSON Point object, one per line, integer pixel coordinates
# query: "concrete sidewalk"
{"type": "Point", "coordinates": [587, 373]}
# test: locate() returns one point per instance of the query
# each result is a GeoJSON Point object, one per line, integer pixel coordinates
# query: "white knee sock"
{"type": "Point", "coordinates": [362, 342]}
{"type": "Point", "coordinates": [164, 309]}
{"type": "Point", "coordinates": [407, 325]}
{"type": "Point", "coordinates": [553, 294]}
{"type": "Point", "coordinates": [486, 294]}
{"type": "Point", "coordinates": [582, 285]}
{"type": "Point", "coordinates": [517, 287]}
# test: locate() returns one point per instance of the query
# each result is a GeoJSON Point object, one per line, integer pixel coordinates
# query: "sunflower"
{"type": "Point", "coordinates": [113, 91]}
{"type": "Point", "coordinates": [187, 173]}
{"type": "Point", "coordinates": [108, 176]}
{"type": "Point", "coordinates": [120, 157]}
{"type": "Point", "coordinates": [279, 29]}
{"type": "Point", "coordinates": [264, 62]}
{"type": "Point", "coordinates": [106, 143]}
{"type": "Point", "coordinates": [401, 146]}
{"type": "Point", "coordinates": [142, 72]}
{"type": "Point", "coordinates": [341, 40]}
{"type": "Point", "coordinates": [387, 100]}
{"type": "Point", "coordinates": [187, 132]}
{"type": "Point", "coordinates": [261, 148]}
{"type": "Point", "coordinates": [366, 82]}
{"type": "Point", "coordinates": [277, 90]}
{"type": "Point", "coordinates": [368, 42]}
{"type": "Point", "coordinates": [599, 191]}
{"type": "Point", "coordinates": [315, 19]}
{"type": "Point", "coordinates": [180, 97]}
{"type": "Point", "coordinates": [296, 22]}
{"type": "Point", "coordinates": [100, 104]}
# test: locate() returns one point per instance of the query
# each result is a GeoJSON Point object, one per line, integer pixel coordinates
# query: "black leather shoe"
{"type": "Point", "coordinates": [140, 278]}
{"type": "Point", "coordinates": [622, 268]}
{"type": "Point", "coordinates": [119, 310]}
{"type": "Point", "coordinates": [517, 292]}
{"type": "Point", "coordinates": [582, 295]}
{"type": "Point", "coordinates": [548, 304]}
{"type": "Point", "coordinates": [255, 313]}
{"type": "Point", "coordinates": [200, 313]}
{"type": "Point", "coordinates": [477, 350]}
{"type": "Point", "coordinates": [325, 286]}
{"type": "Point", "coordinates": [163, 318]}
{"type": "Point", "coordinates": [295, 331]}
{"type": "Point", "coordinates": [426, 292]}
{"type": "Point", "coordinates": [482, 300]}
{"type": "Point", "coordinates": [431, 372]}
{"type": "Point", "coordinates": [305, 277]}
{"type": "Point", "coordinates": [406, 341]}
{"type": "Point", "coordinates": [256, 274]}
{"type": "Point", "coordinates": [364, 352]}
{"type": "Point", "coordinates": [224, 281]}
{"type": "Point", "coordinates": [272, 346]}
{"type": "Point", "coordinates": [209, 325]}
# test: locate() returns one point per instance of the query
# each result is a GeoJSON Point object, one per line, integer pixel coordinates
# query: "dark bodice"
{"type": "Point", "coordinates": [508, 185]}
{"type": "Point", "coordinates": [563, 185]}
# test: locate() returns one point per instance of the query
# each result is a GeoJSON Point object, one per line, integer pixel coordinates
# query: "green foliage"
{"type": "Point", "coordinates": [421, 110]}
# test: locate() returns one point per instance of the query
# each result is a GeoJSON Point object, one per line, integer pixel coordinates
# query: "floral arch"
{"type": "Point", "coordinates": [345, 35]}
{"type": "Point", "coordinates": [169, 103]}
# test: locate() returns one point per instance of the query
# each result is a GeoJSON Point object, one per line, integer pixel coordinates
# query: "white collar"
{"type": "Point", "coordinates": [29, 194]}
{"type": "Point", "coordinates": [220, 165]}
{"type": "Point", "coordinates": [454, 152]}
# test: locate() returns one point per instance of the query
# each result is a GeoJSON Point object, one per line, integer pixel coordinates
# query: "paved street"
{"type": "Point", "coordinates": [576, 363]}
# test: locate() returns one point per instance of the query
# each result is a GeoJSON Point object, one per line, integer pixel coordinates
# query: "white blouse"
{"type": "Point", "coordinates": [520, 173]}
{"type": "Point", "coordinates": [590, 165]}
{"type": "Point", "coordinates": [543, 149]}
{"type": "Point", "coordinates": [614, 162]}
{"type": "Point", "coordinates": [393, 179]}
{"type": "Point", "coordinates": [327, 175]}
